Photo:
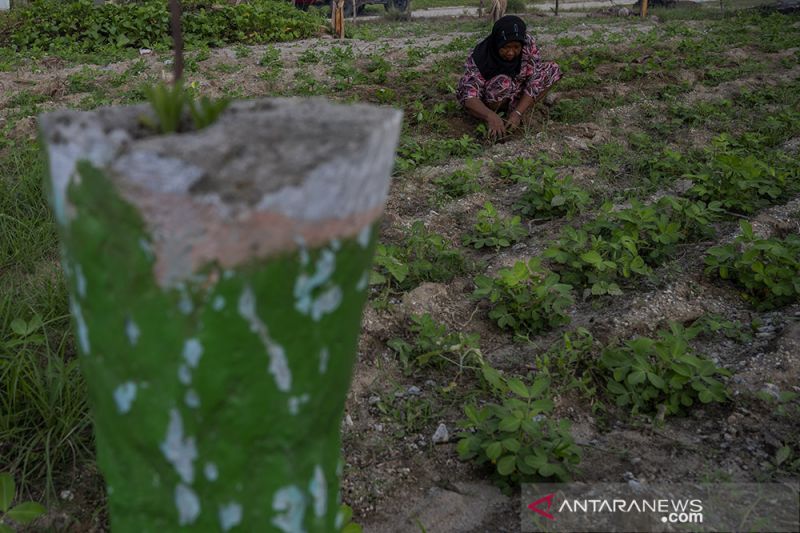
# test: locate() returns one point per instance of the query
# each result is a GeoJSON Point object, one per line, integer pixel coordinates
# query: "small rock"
{"type": "Point", "coordinates": [430, 383]}
{"type": "Point", "coordinates": [374, 400]}
{"type": "Point", "coordinates": [772, 390]}
{"type": "Point", "coordinates": [379, 427]}
{"type": "Point", "coordinates": [413, 391]}
{"type": "Point", "coordinates": [348, 421]}
{"type": "Point", "coordinates": [67, 495]}
{"type": "Point", "coordinates": [539, 418]}
{"type": "Point", "coordinates": [441, 435]}
{"type": "Point", "coordinates": [636, 460]}
{"type": "Point", "coordinates": [628, 476]}
{"type": "Point", "coordinates": [624, 12]}
{"type": "Point", "coordinates": [145, 51]}
{"type": "Point", "coordinates": [635, 485]}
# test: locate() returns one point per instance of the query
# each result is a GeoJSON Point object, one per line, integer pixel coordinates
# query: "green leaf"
{"type": "Point", "coordinates": [26, 512]}
{"type": "Point", "coordinates": [518, 388]}
{"type": "Point", "coordinates": [592, 257]}
{"type": "Point", "coordinates": [782, 455]}
{"type": "Point", "coordinates": [352, 527]}
{"type": "Point", "coordinates": [7, 491]}
{"type": "Point", "coordinates": [509, 424]}
{"type": "Point", "coordinates": [539, 386]}
{"type": "Point", "coordinates": [656, 380]}
{"type": "Point", "coordinates": [511, 445]}
{"type": "Point", "coordinates": [19, 327]}
{"type": "Point", "coordinates": [705, 396]}
{"type": "Point", "coordinates": [5, 529]}
{"type": "Point", "coordinates": [494, 450]}
{"type": "Point", "coordinates": [506, 465]}
{"type": "Point", "coordinates": [636, 377]}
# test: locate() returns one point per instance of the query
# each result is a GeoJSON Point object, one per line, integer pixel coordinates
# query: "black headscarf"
{"type": "Point", "coordinates": [486, 56]}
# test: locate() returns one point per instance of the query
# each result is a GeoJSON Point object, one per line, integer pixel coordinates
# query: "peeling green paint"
{"type": "Point", "coordinates": [238, 424]}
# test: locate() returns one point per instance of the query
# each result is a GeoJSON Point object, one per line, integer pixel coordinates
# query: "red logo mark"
{"type": "Point", "coordinates": [535, 506]}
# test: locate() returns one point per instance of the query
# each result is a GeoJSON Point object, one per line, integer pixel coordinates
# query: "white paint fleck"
{"type": "Point", "coordinates": [291, 502]}
{"type": "Point", "coordinates": [179, 451]}
{"type": "Point", "coordinates": [218, 304]}
{"type": "Point", "coordinates": [187, 503]}
{"type": "Point", "coordinates": [132, 331]}
{"type": "Point", "coordinates": [124, 395]}
{"type": "Point", "coordinates": [327, 303]}
{"type": "Point", "coordinates": [83, 331]}
{"type": "Point", "coordinates": [192, 399]}
{"type": "Point", "coordinates": [146, 247]}
{"type": "Point", "coordinates": [305, 284]}
{"type": "Point", "coordinates": [80, 281]}
{"type": "Point", "coordinates": [278, 365]}
{"type": "Point", "coordinates": [324, 355]}
{"type": "Point", "coordinates": [295, 402]}
{"type": "Point", "coordinates": [210, 471]}
{"type": "Point", "coordinates": [319, 491]}
{"type": "Point", "coordinates": [301, 245]}
{"type": "Point", "coordinates": [185, 304]}
{"type": "Point", "coordinates": [184, 375]}
{"type": "Point", "coordinates": [192, 351]}
{"type": "Point", "coordinates": [363, 282]}
{"type": "Point", "coordinates": [230, 515]}
{"type": "Point", "coordinates": [364, 236]}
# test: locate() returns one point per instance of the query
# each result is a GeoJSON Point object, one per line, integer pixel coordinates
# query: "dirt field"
{"type": "Point", "coordinates": [625, 80]}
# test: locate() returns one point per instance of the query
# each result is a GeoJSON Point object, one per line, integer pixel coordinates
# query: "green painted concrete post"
{"type": "Point", "coordinates": [217, 280]}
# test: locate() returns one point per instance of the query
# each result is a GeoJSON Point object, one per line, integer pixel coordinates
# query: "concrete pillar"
{"type": "Point", "coordinates": [217, 280]}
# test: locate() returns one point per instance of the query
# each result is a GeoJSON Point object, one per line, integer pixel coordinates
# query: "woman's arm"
{"type": "Point", "coordinates": [478, 109]}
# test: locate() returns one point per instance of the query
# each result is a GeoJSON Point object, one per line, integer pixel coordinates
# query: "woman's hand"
{"type": "Point", "coordinates": [496, 126]}
{"type": "Point", "coordinates": [514, 120]}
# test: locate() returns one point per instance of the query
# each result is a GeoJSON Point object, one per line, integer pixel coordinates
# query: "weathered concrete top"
{"type": "Point", "coordinates": [269, 174]}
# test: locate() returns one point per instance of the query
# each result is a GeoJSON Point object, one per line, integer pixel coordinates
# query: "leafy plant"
{"type": "Point", "coordinates": [433, 345]}
{"type": "Point", "coordinates": [526, 298]}
{"type": "Point", "coordinates": [571, 365]}
{"type": "Point", "coordinates": [344, 521]}
{"type": "Point", "coordinates": [738, 181]}
{"type": "Point", "coordinates": [412, 154]}
{"type": "Point", "coordinates": [662, 374]}
{"type": "Point", "coordinates": [205, 111]}
{"type": "Point", "coordinates": [424, 256]}
{"type": "Point", "coordinates": [547, 195]}
{"type": "Point", "coordinates": [461, 182]}
{"type": "Point", "coordinates": [518, 437]}
{"type": "Point", "coordinates": [712, 324]}
{"type": "Point", "coordinates": [767, 269]}
{"type": "Point", "coordinates": [82, 26]}
{"type": "Point", "coordinates": [23, 513]}
{"type": "Point", "coordinates": [169, 103]}
{"type": "Point", "coordinates": [493, 230]}
{"type": "Point", "coordinates": [620, 244]}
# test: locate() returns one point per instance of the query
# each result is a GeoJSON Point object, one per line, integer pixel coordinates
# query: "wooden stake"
{"type": "Point", "coordinates": [644, 8]}
{"type": "Point", "coordinates": [337, 15]}
{"type": "Point", "coordinates": [556, 7]}
{"type": "Point", "coordinates": [177, 40]}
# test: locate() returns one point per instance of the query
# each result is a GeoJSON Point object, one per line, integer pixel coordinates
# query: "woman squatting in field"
{"type": "Point", "coordinates": [504, 72]}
